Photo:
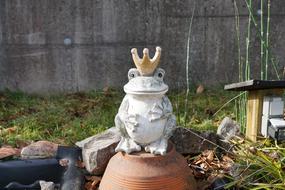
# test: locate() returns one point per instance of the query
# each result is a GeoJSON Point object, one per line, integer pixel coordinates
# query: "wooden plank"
{"type": "Point", "coordinates": [254, 111]}
{"type": "Point", "coordinates": [255, 85]}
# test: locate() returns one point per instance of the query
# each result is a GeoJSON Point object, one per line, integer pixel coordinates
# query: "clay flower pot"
{"type": "Point", "coordinates": [145, 171]}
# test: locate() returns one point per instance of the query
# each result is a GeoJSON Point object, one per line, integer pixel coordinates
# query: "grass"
{"type": "Point", "coordinates": [62, 119]}
{"type": "Point", "coordinates": [258, 166]}
{"type": "Point", "coordinates": [66, 119]}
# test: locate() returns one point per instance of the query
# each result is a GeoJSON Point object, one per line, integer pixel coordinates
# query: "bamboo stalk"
{"type": "Point", "coordinates": [261, 42]}
{"type": "Point", "coordinates": [247, 66]}
{"type": "Point", "coordinates": [267, 38]}
{"type": "Point", "coordinates": [272, 61]}
{"type": "Point", "coordinates": [237, 26]}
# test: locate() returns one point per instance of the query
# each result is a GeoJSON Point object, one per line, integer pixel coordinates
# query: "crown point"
{"type": "Point", "coordinates": [145, 51]}
{"type": "Point", "coordinates": [133, 50]}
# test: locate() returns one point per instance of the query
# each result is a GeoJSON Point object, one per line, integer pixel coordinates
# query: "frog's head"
{"type": "Point", "coordinates": [139, 84]}
{"type": "Point", "coordinates": [146, 78]}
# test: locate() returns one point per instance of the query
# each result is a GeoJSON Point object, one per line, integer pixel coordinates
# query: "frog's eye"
{"type": "Point", "coordinates": [133, 73]}
{"type": "Point", "coordinates": [159, 74]}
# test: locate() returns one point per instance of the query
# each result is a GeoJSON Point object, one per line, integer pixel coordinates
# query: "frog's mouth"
{"type": "Point", "coordinates": [146, 92]}
{"type": "Point", "coordinates": [145, 85]}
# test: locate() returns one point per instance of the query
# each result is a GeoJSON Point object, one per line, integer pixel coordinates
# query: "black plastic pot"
{"type": "Point", "coordinates": [25, 174]}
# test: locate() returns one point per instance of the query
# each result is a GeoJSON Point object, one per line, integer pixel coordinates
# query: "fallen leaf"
{"type": "Point", "coordinates": [92, 178]}
{"type": "Point", "coordinates": [11, 129]}
{"type": "Point", "coordinates": [198, 174]}
{"type": "Point", "coordinates": [210, 157]}
{"type": "Point", "coordinates": [95, 182]}
{"type": "Point", "coordinates": [88, 186]}
{"type": "Point", "coordinates": [92, 183]}
{"type": "Point", "coordinates": [200, 89]}
{"type": "Point", "coordinates": [252, 149]}
{"type": "Point", "coordinates": [227, 159]}
{"type": "Point", "coordinates": [107, 91]}
{"type": "Point", "coordinates": [80, 164]}
{"type": "Point", "coordinates": [63, 162]}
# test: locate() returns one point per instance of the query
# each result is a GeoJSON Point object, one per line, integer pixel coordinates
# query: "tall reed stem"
{"type": "Point", "coordinates": [267, 38]}
{"type": "Point", "coordinates": [272, 61]}
{"type": "Point", "coordinates": [261, 42]}
{"type": "Point", "coordinates": [187, 66]}
{"type": "Point", "coordinates": [237, 26]}
{"type": "Point", "coordinates": [247, 66]}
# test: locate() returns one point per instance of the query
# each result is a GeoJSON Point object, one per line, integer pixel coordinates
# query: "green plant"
{"type": "Point", "coordinates": [258, 166]}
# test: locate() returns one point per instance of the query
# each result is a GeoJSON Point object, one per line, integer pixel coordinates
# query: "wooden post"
{"type": "Point", "coordinates": [254, 111]}
{"type": "Point", "coordinates": [254, 114]}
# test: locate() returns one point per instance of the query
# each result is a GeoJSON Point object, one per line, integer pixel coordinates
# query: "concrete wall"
{"type": "Point", "coordinates": [34, 58]}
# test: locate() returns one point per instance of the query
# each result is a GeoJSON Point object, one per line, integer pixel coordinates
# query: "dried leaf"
{"type": "Point", "coordinates": [93, 178]}
{"type": "Point", "coordinates": [80, 164]}
{"type": "Point", "coordinates": [204, 166]}
{"type": "Point", "coordinates": [210, 156]}
{"type": "Point", "coordinates": [11, 129]}
{"type": "Point", "coordinates": [227, 159]}
{"type": "Point", "coordinates": [200, 89]}
{"type": "Point", "coordinates": [63, 162]}
{"type": "Point", "coordinates": [198, 174]}
{"type": "Point", "coordinates": [252, 149]}
{"type": "Point", "coordinates": [93, 182]}
{"type": "Point", "coordinates": [88, 186]}
{"type": "Point", "coordinates": [107, 91]}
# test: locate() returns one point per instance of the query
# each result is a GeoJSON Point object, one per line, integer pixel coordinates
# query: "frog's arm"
{"type": "Point", "coordinates": [123, 119]}
{"type": "Point", "coordinates": [120, 117]}
{"type": "Point", "coordinates": [171, 120]}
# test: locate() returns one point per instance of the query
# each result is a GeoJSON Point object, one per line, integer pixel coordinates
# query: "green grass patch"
{"type": "Point", "coordinates": [66, 119]}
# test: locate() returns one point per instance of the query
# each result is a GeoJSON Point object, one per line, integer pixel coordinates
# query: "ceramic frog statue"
{"type": "Point", "coordinates": [145, 117]}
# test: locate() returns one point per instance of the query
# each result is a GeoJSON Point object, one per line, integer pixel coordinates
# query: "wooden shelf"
{"type": "Point", "coordinates": [255, 85]}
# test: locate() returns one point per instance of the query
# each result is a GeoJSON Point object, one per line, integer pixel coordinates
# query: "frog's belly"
{"type": "Point", "coordinates": [146, 131]}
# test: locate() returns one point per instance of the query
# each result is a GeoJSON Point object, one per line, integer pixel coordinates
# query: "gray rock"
{"type": "Point", "coordinates": [228, 128]}
{"type": "Point", "coordinates": [97, 150]}
{"type": "Point", "coordinates": [47, 185]}
{"type": "Point", "coordinates": [188, 141]}
{"type": "Point", "coordinates": [40, 149]}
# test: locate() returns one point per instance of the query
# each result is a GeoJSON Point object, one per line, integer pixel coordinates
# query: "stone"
{"type": "Point", "coordinates": [45, 185]}
{"type": "Point", "coordinates": [228, 128]}
{"type": "Point", "coordinates": [97, 150]}
{"type": "Point", "coordinates": [40, 149]}
{"type": "Point", "coordinates": [8, 151]}
{"type": "Point", "coordinates": [188, 141]}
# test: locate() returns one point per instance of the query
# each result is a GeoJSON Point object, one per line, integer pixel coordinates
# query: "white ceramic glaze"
{"type": "Point", "coordinates": [145, 116]}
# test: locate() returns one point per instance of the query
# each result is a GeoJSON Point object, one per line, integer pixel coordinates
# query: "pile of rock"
{"type": "Point", "coordinates": [97, 150]}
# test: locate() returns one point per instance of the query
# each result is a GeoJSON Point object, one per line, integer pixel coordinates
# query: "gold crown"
{"type": "Point", "coordinates": [146, 66]}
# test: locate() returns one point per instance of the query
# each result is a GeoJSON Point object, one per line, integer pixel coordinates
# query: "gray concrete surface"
{"type": "Point", "coordinates": [34, 58]}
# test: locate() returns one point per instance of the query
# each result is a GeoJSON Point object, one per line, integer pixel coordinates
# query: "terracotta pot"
{"type": "Point", "coordinates": [145, 171]}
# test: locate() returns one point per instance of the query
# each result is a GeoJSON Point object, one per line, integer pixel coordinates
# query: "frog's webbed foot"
{"type": "Point", "coordinates": [127, 145]}
{"type": "Point", "coordinates": [157, 147]}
